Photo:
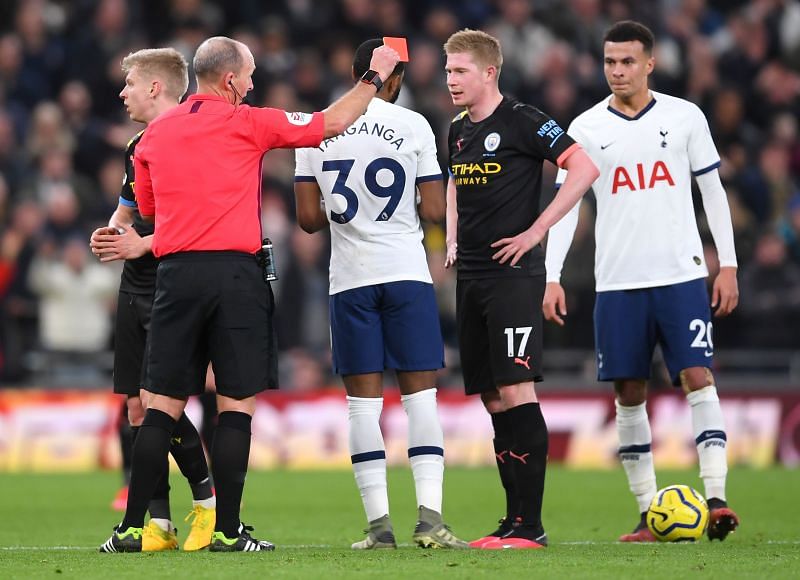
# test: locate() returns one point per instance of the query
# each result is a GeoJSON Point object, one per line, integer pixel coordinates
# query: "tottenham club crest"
{"type": "Point", "coordinates": [492, 142]}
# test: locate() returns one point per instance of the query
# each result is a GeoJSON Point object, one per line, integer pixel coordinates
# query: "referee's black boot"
{"type": "Point", "coordinates": [244, 542]}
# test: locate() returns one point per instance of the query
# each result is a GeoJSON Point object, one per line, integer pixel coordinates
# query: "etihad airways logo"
{"type": "Point", "coordinates": [475, 173]}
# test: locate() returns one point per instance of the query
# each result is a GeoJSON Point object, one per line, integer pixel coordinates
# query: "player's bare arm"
{"type": "Point", "coordinates": [432, 204]}
{"type": "Point", "coordinates": [343, 113]}
{"type": "Point", "coordinates": [582, 173]}
{"type": "Point", "coordinates": [451, 219]}
{"type": "Point", "coordinates": [310, 215]}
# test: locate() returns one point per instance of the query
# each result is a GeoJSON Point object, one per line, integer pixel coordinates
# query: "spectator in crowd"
{"type": "Point", "coordinates": [75, 297]}
{"type": "Point", "coordinates": [770, 295]}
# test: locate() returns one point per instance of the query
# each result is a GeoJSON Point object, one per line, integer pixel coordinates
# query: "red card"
{"type": "Point", "coordinates": [399, 44]}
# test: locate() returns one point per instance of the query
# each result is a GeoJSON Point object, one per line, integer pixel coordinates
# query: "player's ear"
{"type": "Point", "coordinates": [155, 88]}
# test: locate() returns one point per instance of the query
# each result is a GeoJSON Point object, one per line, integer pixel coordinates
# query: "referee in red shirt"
{"type": "Point", "coordinates": [198, 175]}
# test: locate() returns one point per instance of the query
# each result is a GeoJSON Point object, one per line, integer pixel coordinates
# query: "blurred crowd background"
{"type": "Point", "coordinates": [63, 130]}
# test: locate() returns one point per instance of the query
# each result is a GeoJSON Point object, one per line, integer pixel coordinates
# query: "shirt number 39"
{"type": "Point", "coordinates": [393, 191]}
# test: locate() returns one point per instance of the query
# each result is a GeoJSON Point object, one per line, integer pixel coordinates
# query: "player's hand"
{"type": "Point", "coordinates": [725, 294]}
{"type": "Point", "coordinates": [452, 256]}
{"type": "Point", "coordinates": [96, 235]}
{"type": "Point", "coordinates": [384, 59]}
{"type": "Point", "coordinates": [124, 245]}
{"type": "Point", "coordinates": [516, 247]}
{"type": "Point", "coordinates": [554, 305]}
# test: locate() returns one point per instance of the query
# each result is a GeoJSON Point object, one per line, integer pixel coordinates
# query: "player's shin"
{"type": "Point", "coordinates": [368, 454]}
{"type": "Point", "coordinates": [635, 452]}
{"type": "Point", "coordinates": [529, 460]}
{"type": "Point", "coordinates": [708, 428]}
{"type": "Point", "coordinates": [425, 447]}
{"type": "Point", "coordinates": [503, 440]}
{"type": "Point", "coordinates": [149, 462]}
{"type": "Point", "coordinates": [187, 449]}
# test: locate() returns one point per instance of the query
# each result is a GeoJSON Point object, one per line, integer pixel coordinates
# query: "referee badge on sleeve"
{"type": "Point", "coordinates": [299, 118]}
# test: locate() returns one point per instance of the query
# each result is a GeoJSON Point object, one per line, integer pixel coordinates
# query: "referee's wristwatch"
{"type": "Point", "coordinates": [372, 77]}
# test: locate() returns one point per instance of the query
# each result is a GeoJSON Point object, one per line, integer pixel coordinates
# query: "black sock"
{"type": "Point", "coordinates": [149, 462]}
{"type": "Point", "coordinates": [125, 431]}
{"type": "Point", "coordinates": [503, 440]}
{"type": "Point", "coordinates": [230, 453]}
{"type": "Point", "coordinates": [529, 458]}
{"type": "Point", "coordinates": [187, 449]}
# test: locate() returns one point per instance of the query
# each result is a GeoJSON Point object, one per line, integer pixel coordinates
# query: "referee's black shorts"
{"type": "Point", "coordinates": [212, 306]}
{"type": "Point", "coordinates": [499, 331]}
{"type": "Point", "coordinates": [130, 342]}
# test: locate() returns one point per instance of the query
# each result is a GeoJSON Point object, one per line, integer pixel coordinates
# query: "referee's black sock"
{"type": "Point", "coordinates": [529, 458]}
{"type": "Point", "coordinates": [503, 440]}
{"type": "Point", "coordinates": [187, 449]}
{"type": "Point", "coordinates": [229, 456]}
{"type": "Point", "coordinates": [149, 462]}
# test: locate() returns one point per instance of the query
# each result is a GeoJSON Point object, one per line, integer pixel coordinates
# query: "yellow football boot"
{"type": "Point", "coordinates": [203, 522]}
{"type": "Point", "coordinates": [154, 539]}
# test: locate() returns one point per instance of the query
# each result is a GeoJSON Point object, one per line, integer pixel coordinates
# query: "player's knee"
{"type": "Point", "coordinates": [493, 402]}
{"type": "Point", "coordinates": [135, 411]}
{"type": "Point", "coordinates": [696, 378]}
{"type": "Point", "coordinates": [630, 392]}
{"type": "Point", "coordinates": [518, 394]}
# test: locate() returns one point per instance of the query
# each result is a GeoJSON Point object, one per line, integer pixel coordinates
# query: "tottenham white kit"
{"type": "Point", "coordinates": [368, 177]}
{"type": "Point", "coordinates": [646, 229]}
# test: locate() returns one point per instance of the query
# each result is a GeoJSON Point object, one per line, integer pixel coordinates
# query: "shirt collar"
{"type": "Point", "coordinates": [208, 97]}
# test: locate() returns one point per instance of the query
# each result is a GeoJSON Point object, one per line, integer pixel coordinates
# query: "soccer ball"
{"type": "Point", "coordinates": [677, 514]}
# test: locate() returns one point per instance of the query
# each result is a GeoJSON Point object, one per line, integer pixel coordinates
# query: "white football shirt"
{"type": "Point", "coordinates": [368, 178]}
{"type": "Point", "coordinates": [646, 229]}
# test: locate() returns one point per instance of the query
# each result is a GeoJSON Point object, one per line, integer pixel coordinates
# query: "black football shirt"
{"type": "Point", "coordinates": [139, 275]}
{"type": "Point", "coordinates": [496, 165]}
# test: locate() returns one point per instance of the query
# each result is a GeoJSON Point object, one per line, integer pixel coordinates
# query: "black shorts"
{"type": "Point", "coordinates": [500, 331]}
{"type": "Point", "coordinates": [212, 306]}
{"type": "Point", "coordinates": [130, 342]}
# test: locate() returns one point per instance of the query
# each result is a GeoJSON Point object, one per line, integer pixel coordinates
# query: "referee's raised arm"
{"type": "Point", "coordinates": [342, 113]}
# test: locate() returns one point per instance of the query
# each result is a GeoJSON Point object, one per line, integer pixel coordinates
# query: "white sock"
{"type": "Point", "coordinates": [635, 452]}
{"type": "Point", "coordinates": [708, 428]}
{"type": "Point", "coordinates": [368, 454]}
{"type": "Point", "coordinates": [425, 447]}
{"type": "Point", "coordinates": [208, 503]}
{"type": "Point", "coordinates": [163, 523]}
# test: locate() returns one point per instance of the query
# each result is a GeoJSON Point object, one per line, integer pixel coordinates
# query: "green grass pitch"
{"type": "Point", "coordinates": [51, 526]}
